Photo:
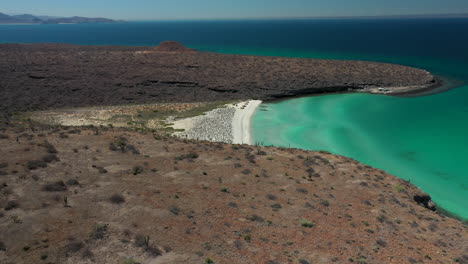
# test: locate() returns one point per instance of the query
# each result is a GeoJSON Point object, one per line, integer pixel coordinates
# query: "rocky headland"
{"type": "Point", "coordinates": [32, 19]}
{"type": "Point", "coordinates": [45, 76]}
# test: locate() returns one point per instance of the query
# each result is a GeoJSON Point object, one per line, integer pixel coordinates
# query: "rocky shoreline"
{"type": "Point", "coordinates": [215, 126]}
{"type": "Point", "coordinates": [229, 124]}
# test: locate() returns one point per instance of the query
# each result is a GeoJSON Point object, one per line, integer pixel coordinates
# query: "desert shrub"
{"type": "Point", "coordinates": [3, 136]}
{"type": "Point", "coordinates": [72, 182]}
{"type": "Point", "coordinates": [74, 131]}
{"type": "Point", "coordinates": [142, 241]}
{"type": "Point", "coordinates": [238, 244]}
{"type": "Point", "coordinates": [302, 190]}
{"type": "Point", "coordinates": [11, 205]}
{"type": "Point", "coordinates": [399, 188]}
{"type": "Point", "coordinates": [99, 231]}
{"type": "Point", "coordinates": [121, 145]}
{"type": "Point", "coordinates": [63, 135]}
{"type": "Point", "coordinates": [303, 261]}
{"type": "Point", "coordinates": [137, 170]}
{"type": "Point", "coordinates": [50, 148]}
{"type": "Point", "coordinates": [117, 199]}
{"type": "Point", "coordinates": [3, 165]}
{"type": "Point", "coordinates": [189, 156]}
{"type": "Point", "coordinates": [133, 150]}
{"type": "Point", "coordinates": [113, 147]}
{"type": "Point", "coordinates": [131, 261]}
{"type": "Point", "coordinates": [50, 158]}
{"type": "Point", "coordinates": [58, 186]}
{"type": "Point", "coordinates": [255, 218]}
{"type": "Point", "coordinates": [306, 223]}
{"type": "Point", "coordinates": [2, 246]}
{"type": "Point", "coordinates": [271, 197]}
{"type": "Point", "coordinates": [381, 218]}
{"type": "Point", "coordinates": [463, 259]}
{"type": "Point", "coordinates": [250, 158]}
{"type": "Point", "coordinates": [276, 206]}
{"type": "Point", "coordinates": [87, 254]}
{"type": "Point", "coordinates": [246, 171]}
{"type": "Point", "coordinates": [325, 202]}
{"type": "Point", "coordinates": [174, 210]}
{"type": "Point", "coordinates": [381, 243]}
{"type": "Point", "coordinates": [232, 204]}
{"type": "Point", "coordinates": [101, 170]}
{"type": "Point", "coordinates": [35, 164]}
{"type": "Point", "coordinates": [73, 247]}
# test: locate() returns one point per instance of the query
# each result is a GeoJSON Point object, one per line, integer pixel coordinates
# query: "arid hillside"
{"type": "Point", "coordinates": [102, 195]}
{"type": "Point", "coordinates": [50, 76]}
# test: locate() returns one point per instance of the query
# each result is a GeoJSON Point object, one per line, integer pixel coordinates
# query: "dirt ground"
{"type": "Point", "coordinates": [107, 195]}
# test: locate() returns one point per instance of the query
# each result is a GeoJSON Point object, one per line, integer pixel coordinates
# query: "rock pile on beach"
{"type": "Point", "coordinates": [215, 126]}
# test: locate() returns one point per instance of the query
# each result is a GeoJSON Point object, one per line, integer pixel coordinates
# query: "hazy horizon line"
{"type": "Point", "coordinates": [434, 15]}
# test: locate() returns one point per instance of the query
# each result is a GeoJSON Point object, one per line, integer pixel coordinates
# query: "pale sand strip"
{"type": "Point", "coordinates": [230, 124]}
{"type": "Point", "coordinates": [242, 120]}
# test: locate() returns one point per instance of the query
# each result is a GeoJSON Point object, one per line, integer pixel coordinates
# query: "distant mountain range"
{"type": "Point", "coordinates": [31, 19]}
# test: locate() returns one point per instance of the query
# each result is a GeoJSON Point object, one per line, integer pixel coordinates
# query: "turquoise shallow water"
{"type": "Point", "coordinates": [421, 139]}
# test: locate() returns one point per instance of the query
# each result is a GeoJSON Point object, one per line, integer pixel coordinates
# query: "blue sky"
{"type": "Point", "coordinates": [229, 9]}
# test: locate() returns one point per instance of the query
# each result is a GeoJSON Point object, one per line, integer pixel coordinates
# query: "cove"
{"type": "Point", "coordinates": [420, 139]}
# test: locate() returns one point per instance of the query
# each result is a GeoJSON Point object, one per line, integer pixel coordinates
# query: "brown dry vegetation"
{"type": "Point", "coordinates": [176, 201]}
{"type": "Point", "coordinates": [46, 76]}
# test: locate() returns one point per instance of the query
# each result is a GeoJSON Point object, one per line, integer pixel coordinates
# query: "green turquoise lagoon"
{"type": "Point", "coordinates": [420, 139]}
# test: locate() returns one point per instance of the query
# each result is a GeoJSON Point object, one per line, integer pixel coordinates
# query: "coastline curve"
{"type": "Point", "coordinates": [241, 122]}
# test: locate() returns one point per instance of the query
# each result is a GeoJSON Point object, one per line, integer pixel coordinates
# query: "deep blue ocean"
{"type": "Point", "coordinates": [423, 139]}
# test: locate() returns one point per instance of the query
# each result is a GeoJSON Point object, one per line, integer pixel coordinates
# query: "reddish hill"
{"type": "Point", "coordinates": [172, 46]}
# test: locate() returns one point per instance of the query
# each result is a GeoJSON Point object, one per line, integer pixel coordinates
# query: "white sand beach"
{"type": "Point", "coordinates": [229, 124]}
{"type": "Point", "coordinates": [242, 120]}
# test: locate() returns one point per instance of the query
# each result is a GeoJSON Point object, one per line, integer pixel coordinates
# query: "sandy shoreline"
{"type": "Point", "coordinates": [242, 120]}
{"type": "Point", "coordinates": [229, 124]}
